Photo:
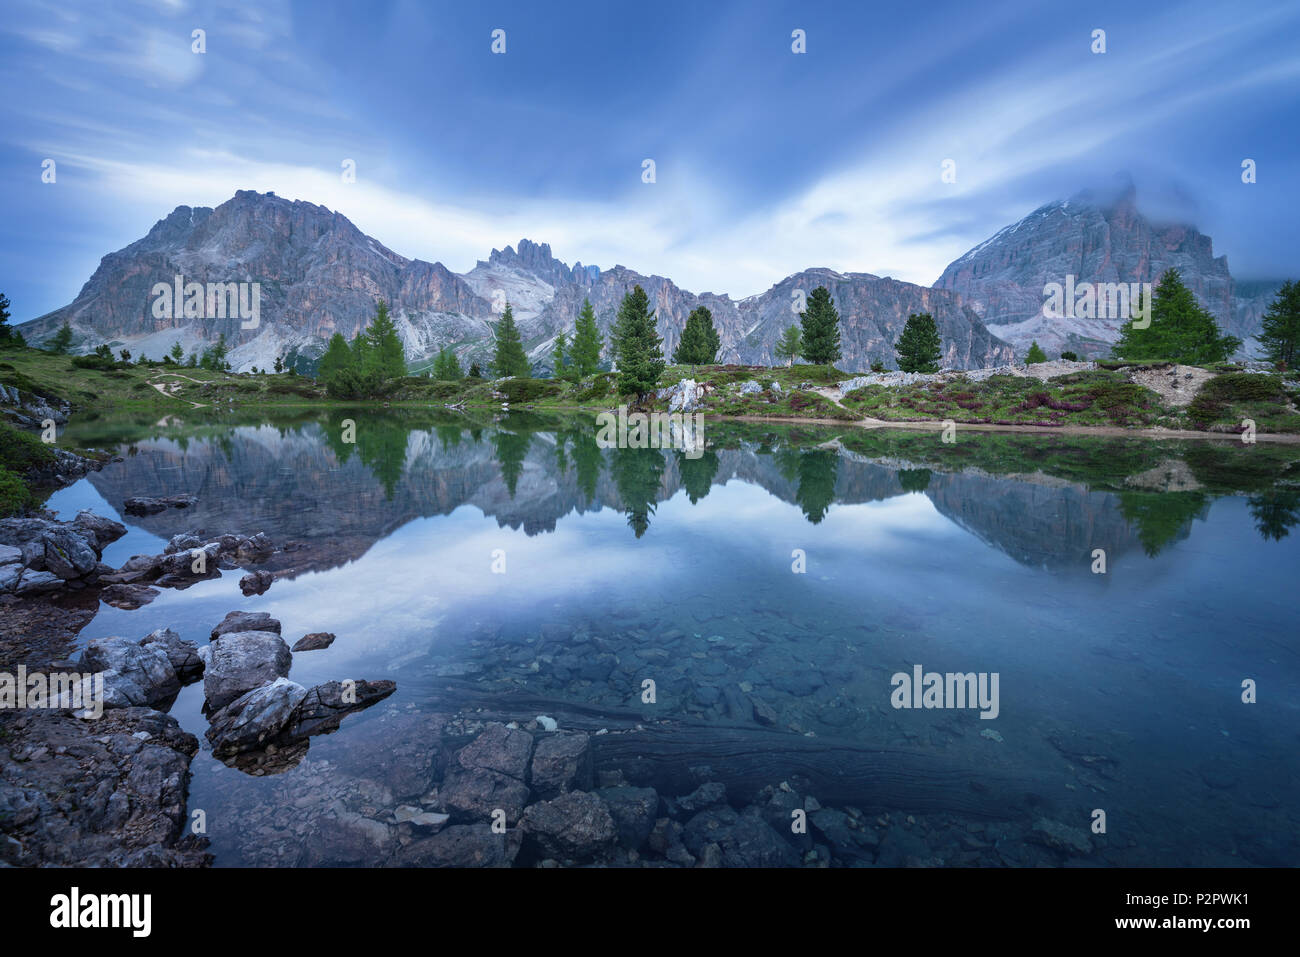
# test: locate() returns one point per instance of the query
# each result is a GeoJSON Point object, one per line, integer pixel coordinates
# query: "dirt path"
{"type": "Point", "coordinates": [832, 393]}
{"type": "Point", "coordinates": [162, 390]}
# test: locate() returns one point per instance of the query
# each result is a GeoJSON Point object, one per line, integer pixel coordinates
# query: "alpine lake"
{"type": "Point", "coordinates": [784, 614]}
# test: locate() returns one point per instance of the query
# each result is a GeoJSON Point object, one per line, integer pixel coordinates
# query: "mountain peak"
{"type": "Point", "coordinates": [1119, 194]}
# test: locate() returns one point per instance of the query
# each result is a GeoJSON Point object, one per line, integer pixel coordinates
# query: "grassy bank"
{"type": "Point", "coordinates": [1103, 397]}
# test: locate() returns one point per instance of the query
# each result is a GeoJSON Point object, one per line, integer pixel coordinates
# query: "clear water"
{"type": "Point", "coordinates": [1119, 691]}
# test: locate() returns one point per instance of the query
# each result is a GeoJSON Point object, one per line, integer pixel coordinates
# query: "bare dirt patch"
{"type": "Point", "coordinates": [1176, 385]}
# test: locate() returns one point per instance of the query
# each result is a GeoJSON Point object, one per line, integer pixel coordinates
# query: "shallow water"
{"type": "Point", "coordinates": [1119, 691]}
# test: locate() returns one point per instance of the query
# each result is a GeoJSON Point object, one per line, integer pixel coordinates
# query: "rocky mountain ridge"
{"type": "Point", "coordinates": [318, 274]}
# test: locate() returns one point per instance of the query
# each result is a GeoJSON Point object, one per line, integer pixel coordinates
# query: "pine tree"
{"type": "Point", "coordinates": [446, 367]}
{"type": "Point", "coordinates": [558, 356]}
{"type": "Point", "coordinates": [1035, 354]}
{"type": "Point", "coordinates": [637, 345]}
{"type": "Point", "coordinates": [509, 358]}
{"type": "Point", "coordinates": [178, 352]}
{"type": "Point", "coordinates": [1280, 330]}
{"type": "Point", "coordinates": [700, 341]}
{"type": "Point", "coordinates": [919, 347]}
{"type": "Point", "coordinates": [585, 353]}
{"type": "Point", "coordinates": [337, 358]}
{"type": "Point", "coordinates": [821, 329]}
{"type": "Point", "coordinates": [214, 357]}
{"type": "Point", "coordinates": [279, 365]}
{"type": "Point", "coordinates": [387, 359]}
{"type": "Point", "coordinates": [6, 332]}
{"type": "Point", "coordinates": [61, 340]}
{"type": "Point", "coordinates": [474, 371]}
{"type": "Point", "coordinates": [789, 346]}
{"type": "Point", "coordinates": [1181, 330]}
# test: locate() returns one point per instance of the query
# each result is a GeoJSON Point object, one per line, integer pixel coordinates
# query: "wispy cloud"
{"type": "Point", "coordinates": [767, 162]}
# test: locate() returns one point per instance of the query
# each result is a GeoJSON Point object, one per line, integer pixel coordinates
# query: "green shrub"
{"type": "Point", "coordinates": [93, 361]}
{"type": "Point", "coordinates": [1244, 387]}
{"type": "Point", "coordinates": [20, 451]}
{"type": "Point", "coordinates": [298, 387]}
{"type": "Point", "coordinates": [1217, 396]}
{"type": "Point", "coordinates": [528, 390]}
{"type": "Point", "coordinates": [15, 498]}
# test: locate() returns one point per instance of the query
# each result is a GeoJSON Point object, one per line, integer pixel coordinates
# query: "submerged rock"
{"type": "Point", "coordinates": [576, 825]}
{"type": "Point", "coordinates": [706, 795]}
{"type": "Point", "coordinates": [462, 845]}
{"type": "Point", "coordinates": [562, 762]}
{"type": "Point", "coordinates": [473, 794]}
{"type": "Point", "coordinates": [145, 505]}
{"type": "Point", "coordinates": [1061, 837]}
{"type": "Point", "coordinates": [745, 840]}
{"type": "Point", "coordinates": [501, 749]}
{"type": "Point", "coordinates": [634, 811]}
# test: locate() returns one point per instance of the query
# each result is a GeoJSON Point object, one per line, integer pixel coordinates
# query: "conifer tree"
{"type": "Point", "coordinates": [700, 341]}
{"type": "Point", "coordinates": [585, 353]}
{"type": "Point", "coordinates": [1035, 354]}
{"type": "Point", "coordinates": [919, 348]}
{"type": "Point", "coordinates": [446, 367]}
{"type": "Point", "coordinates": [821, 329]}
{"type": "Point", "coordinates": [1280, 331]}
{"type": "Point", "coordinates": [387, 358]}
{"type": "Point", "coordinates": [558, 356]}
{"type": "Point", "coordinates": [1180, 329]}
{"type": "Point", "coordinates": [61, 341]}
{"type": "Point", "coordinates": [509, 358]}
{"type": "Point", "coordinates": [637, 345]}
{"type": "Point", "coordinates": [789, 347]}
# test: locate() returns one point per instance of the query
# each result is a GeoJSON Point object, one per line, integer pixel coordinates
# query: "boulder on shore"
{"type": "Point", "coordinates": [240, 662]}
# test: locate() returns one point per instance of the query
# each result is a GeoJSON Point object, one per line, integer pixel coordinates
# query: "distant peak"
{"type": "Point", "coordinates": [529, 254]}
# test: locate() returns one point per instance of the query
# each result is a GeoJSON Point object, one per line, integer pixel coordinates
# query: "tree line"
{"type": "Point", "coordinates": [1180, 330]}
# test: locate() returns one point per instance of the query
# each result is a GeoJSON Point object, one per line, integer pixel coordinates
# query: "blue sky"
{"type": "Point", "coordinates": [767, 161]}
